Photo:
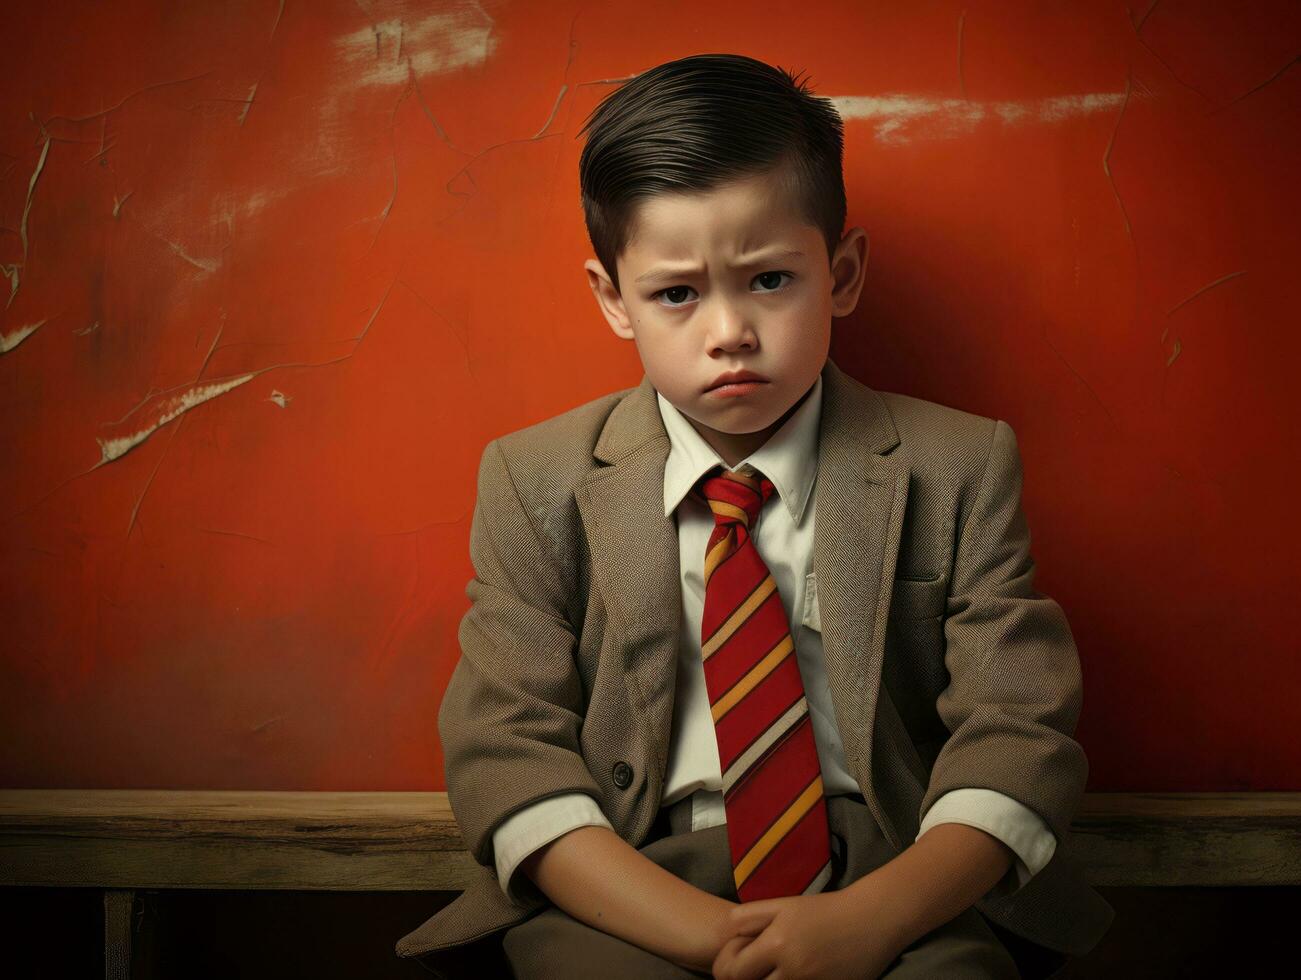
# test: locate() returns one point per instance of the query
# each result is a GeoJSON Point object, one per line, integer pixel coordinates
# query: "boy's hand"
{"type": "Point", "coordinates": [828, 936]}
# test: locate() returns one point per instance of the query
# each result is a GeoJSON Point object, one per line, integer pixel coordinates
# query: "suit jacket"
{"type": "Point", "coordinates": [947, 668]}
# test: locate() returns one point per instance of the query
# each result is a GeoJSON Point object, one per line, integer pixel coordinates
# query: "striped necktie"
{"type": "Point", "coordinates": [772, 782]}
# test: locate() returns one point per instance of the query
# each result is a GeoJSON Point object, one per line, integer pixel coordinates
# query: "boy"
{"type": "Point", "coordinates": [694, 730]}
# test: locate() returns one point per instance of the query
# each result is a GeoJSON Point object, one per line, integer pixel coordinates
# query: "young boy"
{"type": "Point", "coordinates": [754, 681]}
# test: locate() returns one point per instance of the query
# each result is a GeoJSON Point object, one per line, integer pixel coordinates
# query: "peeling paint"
{"type": "Point", "coordinates": [280, 398]}
{"type": "Point", "coordinates": [11, 271]}
{"type": "Point", "coordinates": [1178, 347]}
{"type": "Point", "coordinates": [560, 97]}
{"type": "Point", "coordinates": [901, 118]}
{"type": "Point", "coordinates": [8, 341]}
{"type": "Point", "coordinates": [167, 407]}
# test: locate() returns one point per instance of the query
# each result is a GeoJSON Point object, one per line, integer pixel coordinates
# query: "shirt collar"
{"type": "Point", "coordinates": [789, 458]}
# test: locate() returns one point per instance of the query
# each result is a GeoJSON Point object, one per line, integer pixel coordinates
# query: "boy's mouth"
{"type": "Point", "coordinates": [735, 382]}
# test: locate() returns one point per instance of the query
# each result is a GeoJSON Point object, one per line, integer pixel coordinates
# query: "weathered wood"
{"type": "Point", "coordinates": [1189, 839]}
{"type": "Point", "coordinates": [231, 839]}
{"type": "Point", "coordinates": [128, 839]}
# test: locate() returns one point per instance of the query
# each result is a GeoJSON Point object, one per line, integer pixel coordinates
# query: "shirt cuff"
{"type": "Point", "coordinates": [529, 827]}
{"type": "Point", "coordinates": [1011, 821]}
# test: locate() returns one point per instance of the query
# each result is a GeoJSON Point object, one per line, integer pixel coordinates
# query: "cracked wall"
{"type": "Point", "coordinates": [272, 273]}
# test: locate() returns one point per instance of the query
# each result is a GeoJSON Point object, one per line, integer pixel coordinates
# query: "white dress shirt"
{"type": "Point", "coordinates": [783, 536]}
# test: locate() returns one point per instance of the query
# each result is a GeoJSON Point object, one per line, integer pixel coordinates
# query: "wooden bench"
{"type": "Point", "coordinates": [123, 840]}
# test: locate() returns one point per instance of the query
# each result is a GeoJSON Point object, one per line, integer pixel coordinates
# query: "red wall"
{"type": "Point", "coordinates": [273, 277]}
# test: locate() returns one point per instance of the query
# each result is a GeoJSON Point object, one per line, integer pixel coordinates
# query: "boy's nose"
{"type": "Point", "coordinates": [730, 329]}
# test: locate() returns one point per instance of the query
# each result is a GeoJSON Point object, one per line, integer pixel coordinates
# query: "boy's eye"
{"type": "Point", "coordinates": [675, 295]}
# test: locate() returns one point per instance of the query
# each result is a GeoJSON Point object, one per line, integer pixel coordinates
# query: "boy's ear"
{"type": "Point", "coordinates": [848, 271]}
{"type": "Point", "coordinates": [608, 299]}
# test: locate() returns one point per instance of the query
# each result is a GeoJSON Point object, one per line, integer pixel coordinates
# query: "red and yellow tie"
{"type": "Point", "coordinates": [772, 783]}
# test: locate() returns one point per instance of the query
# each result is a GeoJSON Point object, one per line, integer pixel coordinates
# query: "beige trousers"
{"type": "Point", "coordinates": [552, 944]}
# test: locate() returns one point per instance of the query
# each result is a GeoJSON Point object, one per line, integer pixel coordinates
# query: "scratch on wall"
{"type": "Point", "coordinates": [8, 341]}
{"type": "Point", "coordinates": [900, 118]}
{"type": "Point", "coordinates": [1210, 285]}
{"type": "Point", "coordinates": [248, 103]}
{"type": "Point", "coordinates": [1106, 158]}
{"type": "Point", "coordinates": [962, 79]}
{"type": "Point", "coordinates": [1178, 346]}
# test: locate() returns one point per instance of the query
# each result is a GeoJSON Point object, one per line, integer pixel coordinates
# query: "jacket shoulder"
{"type": "Point", "coordinates": [549, 458]}
{"type": "Point", "coordinates": [932, 430]}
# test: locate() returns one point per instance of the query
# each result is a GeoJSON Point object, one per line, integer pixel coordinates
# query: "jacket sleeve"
{"type": "Point", "coordinates": [510, 719]}
{"type": "Point", "coordinates": [1014, 691]}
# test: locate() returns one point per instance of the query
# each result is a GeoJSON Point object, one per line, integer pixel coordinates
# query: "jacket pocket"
{"type": "Point", "coordinates": [919, 598]}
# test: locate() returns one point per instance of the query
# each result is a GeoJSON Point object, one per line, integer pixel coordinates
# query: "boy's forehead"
{"type": "Point", "coordinates": [745, 215]}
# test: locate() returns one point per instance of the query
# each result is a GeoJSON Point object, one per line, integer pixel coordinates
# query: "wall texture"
{"type": "Point", "coordinates": [274, 272]}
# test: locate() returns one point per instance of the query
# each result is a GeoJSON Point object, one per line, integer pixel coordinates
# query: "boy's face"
{"type": "Point", "coordinates": [730, 279]}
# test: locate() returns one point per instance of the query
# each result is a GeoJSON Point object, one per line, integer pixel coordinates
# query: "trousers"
{"type": "Point", "coordinates": [553, 944]}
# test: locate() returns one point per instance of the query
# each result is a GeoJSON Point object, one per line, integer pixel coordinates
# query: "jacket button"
{"type": "Point", "coordinates": [622, 774]}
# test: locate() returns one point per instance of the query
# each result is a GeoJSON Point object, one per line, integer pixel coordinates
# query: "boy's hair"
{"type": "Point", "coordinates": [702, 121]}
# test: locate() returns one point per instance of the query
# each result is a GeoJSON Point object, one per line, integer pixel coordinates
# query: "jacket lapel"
{"type": "Point", "coordinates": [634, 551]}
{"type": "Point", "coordinates": [861, 495]}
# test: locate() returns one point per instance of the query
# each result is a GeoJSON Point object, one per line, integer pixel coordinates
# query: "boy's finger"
{"type": "Point", "coordinates": [751, 918]}
{"type": "Point", "coordinates": [755, 961]}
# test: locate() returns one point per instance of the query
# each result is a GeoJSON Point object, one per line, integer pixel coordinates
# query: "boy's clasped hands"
{"type": "Point", "coordinates": [834, 935]}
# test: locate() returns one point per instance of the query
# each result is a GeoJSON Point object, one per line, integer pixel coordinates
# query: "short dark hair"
{"type": "Point", "coordinates": [702, 121]}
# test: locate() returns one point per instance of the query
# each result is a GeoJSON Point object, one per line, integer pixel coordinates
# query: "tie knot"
{"type": "Point", "coordinates": [735, 497]}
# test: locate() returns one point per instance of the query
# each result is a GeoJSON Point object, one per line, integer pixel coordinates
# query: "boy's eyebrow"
{"type": "Point", "coordinates": [669, 272]}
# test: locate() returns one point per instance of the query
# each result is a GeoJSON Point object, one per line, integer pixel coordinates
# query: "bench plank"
{"type": "Point", "coordinates": [407, 841]}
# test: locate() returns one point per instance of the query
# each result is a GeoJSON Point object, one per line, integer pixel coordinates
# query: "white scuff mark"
{"type": "Point", "coordinates": [442, 42]}
{"type": "Point", "coordinates": [90, 329]}
{"type": "Point", "coordinates": [207, 265]}
{"type": "Point", "coordinates": [260, 199]}
{"type": "Point", "coordinates": [901, 118]}
{"type": "Point", "coordinates": [230, 208]}
{"type": "Point", "coordinates": [248, 103]}
{"type": "Point", "coordinates": [279, 13]}
{"type": "Point", "coordinates": [280, 398]}
{"type": "Point", "coordinates": [168, 407]}
{"type": "Point", "coordinates": [117, 203]}
{"type": "Point", "coordinates": [8, 341]}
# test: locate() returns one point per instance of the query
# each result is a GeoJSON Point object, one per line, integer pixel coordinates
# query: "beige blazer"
{"type": "Point", "coordinates": [947, 669]}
